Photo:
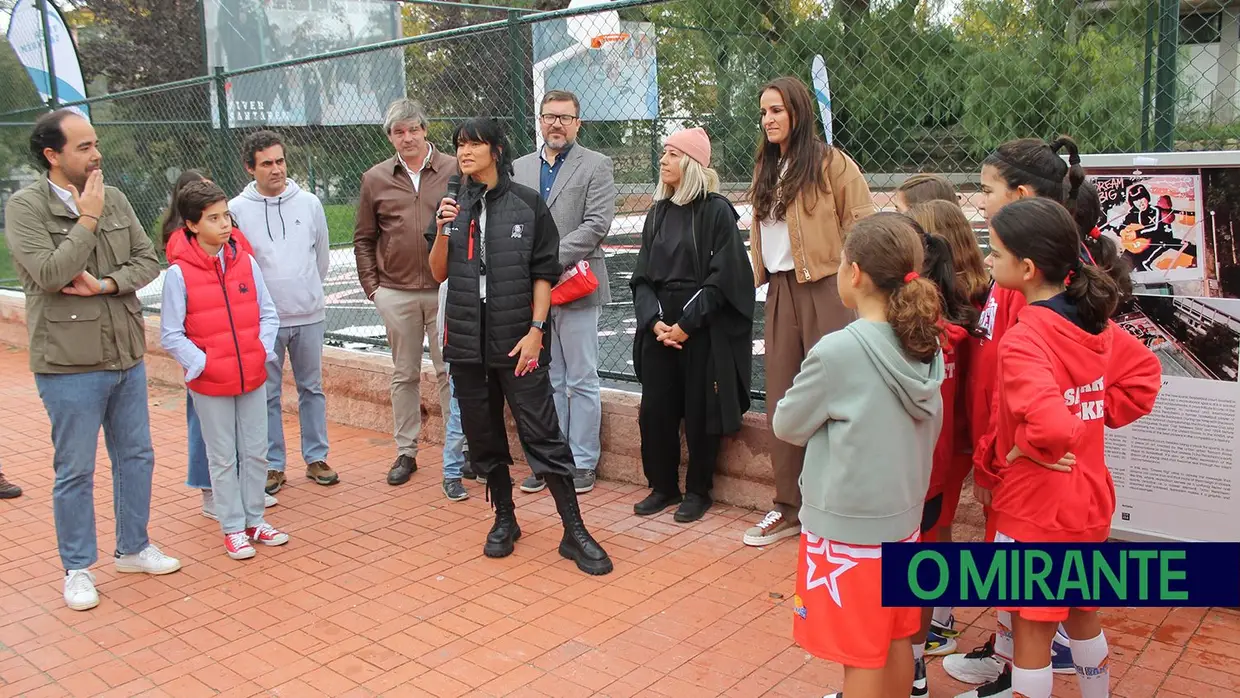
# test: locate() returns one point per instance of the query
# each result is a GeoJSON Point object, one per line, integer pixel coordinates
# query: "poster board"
{"type": "Point", "coordinates": [354, 89]}
{"type": "Point", "coordinates": [1177, 471]}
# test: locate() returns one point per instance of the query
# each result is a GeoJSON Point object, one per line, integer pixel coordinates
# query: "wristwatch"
{"type": "Point", "coordinates": [540, 325]}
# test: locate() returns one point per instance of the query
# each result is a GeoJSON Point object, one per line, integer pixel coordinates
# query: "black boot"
{"type": "Point", "coordinates": [505, 532]}
{"type": "Point", "coordinates": [577, 544]}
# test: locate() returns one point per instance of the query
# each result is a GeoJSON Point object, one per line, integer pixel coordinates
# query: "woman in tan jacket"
{"type": "Point", "coordinates": [805, 194]}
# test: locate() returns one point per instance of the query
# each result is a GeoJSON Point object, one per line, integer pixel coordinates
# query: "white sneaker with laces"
{"type": "Point", "coordinates": [269, 501]}
{"type": "Point", "coordinates": [981, 666]}
{"type": "Point", "coordinates": [771, 529]}
{"type": "Point", "coordinates": [149, 561]}
{"type": "Point", "coordinates": [80, 594]}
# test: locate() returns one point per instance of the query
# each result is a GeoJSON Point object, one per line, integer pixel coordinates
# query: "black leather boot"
{"type": "Point", "coordinates": [505, 532]}
{"type": "Point", "coordinates": [577, 544]}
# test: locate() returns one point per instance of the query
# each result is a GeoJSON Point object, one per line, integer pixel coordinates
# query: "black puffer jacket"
{"type": "Point", "coordinates": [522, 246]}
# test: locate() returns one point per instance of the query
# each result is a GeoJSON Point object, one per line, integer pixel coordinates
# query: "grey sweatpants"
{"type": "Point", "coordinates": [236, 428]}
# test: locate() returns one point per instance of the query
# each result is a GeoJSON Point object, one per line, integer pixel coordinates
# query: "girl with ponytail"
{"type": "Point", "coordinates": [1066, 371]}
{"type": "Point", "coordinates": [867, 407]}
{"type": "Point", "coordinates": [1017, 170]}
{"type": "Point", "coordinates": [1097, 249]}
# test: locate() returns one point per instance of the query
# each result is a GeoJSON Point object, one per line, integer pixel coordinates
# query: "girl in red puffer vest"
{"type": "Point", "coordinates": [218, 321]}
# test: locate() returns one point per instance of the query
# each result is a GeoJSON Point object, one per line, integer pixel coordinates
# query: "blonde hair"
{"type": "Point", "coordinates": [696, 181]}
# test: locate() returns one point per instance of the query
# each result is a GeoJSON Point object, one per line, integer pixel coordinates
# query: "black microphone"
{"type": "Point", "coordinates": [454, 188]}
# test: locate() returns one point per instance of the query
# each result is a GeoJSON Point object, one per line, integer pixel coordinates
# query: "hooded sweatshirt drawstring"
{"type": "Point", "coordinates": [280, 212]}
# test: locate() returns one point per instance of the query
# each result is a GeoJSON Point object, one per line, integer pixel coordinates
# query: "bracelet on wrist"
{"type": "Point", "coordinates": [87, 215]}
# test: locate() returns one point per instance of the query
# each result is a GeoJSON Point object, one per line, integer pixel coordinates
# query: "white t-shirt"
{"type": "Point", "coordinates": [482, 249]}
{"type": "Point", "coordinates": [776, 243]}
{"type": "Point", "coordinates": [776, 247]}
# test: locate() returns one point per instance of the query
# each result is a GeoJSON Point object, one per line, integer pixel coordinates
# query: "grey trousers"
{"type": "Point", "coordinates": [234, 430]}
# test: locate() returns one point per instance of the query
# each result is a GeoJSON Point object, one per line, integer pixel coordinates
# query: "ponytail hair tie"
{"type": "Point", "coordinates": [1067, 280]}
{"type": "Point", "coordinates": [908, 278]}
{"type": "Point", "coordinates": [1095, 233]}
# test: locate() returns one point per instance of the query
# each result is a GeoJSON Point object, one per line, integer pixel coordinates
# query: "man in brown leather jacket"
{"type": "Point", "coordinates": [398, 202]}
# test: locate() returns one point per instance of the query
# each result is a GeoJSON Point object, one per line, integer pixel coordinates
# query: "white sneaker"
{"type": "Point", "coordinates": [981, 666]}
{"type": "Point", "coordinates": [269, 501]}
{"type": "Point", "coordinates": [149, 561]}
{"type": "Point", "coordinates": [80, 594]}
{"type": "Point", "coordinates": [771, 529]}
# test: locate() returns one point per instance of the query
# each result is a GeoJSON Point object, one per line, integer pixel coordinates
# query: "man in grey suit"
{"type": "Point", "coordinates": [579, 187]}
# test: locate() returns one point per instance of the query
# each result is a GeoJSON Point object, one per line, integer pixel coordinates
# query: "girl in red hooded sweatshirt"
{"type": "Point", "coordinates": [1065, 372]}
{"type": "Point", "coordinates": [1018, 170]}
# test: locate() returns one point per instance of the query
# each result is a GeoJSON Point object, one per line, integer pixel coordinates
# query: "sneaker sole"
{"type": "Point", "coordinates": [82, 606]}
{"type": "Point", "coordinates": [273, 490]}
{"type": "Point", "coordinates": [1064, 670]}
{"type": "Point", "coordinates": [14, 495]}
{"type": "Point", "coordinates": [462, 498]}
{"type": "Point", "coordinates": [528, 490]}
{"type": "Point", "coordinates": [943, 650]}
{"type": "Point", "coordinates": [126, 569]}
{"type": "Point", "coordinates": [243, 555]}
{"type": "Point", "coordinates": [271, 544]}
{"type": "Point", "coordinates": [209, 515]}
{"type": "Point", "coordinates": [762, 541]}
{"type": "Point", "coordinates": [583, 490]}
{"type": "Point", "coordinates": [971, 678]}
{"type": "Point", "coordinates": [326, 482]}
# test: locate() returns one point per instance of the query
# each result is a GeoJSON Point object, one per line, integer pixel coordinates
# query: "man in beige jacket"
{"type": "Point", "coordinates": [82, 254]}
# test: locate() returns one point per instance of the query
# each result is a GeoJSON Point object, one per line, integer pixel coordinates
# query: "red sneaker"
{"type": "Point", "coordinates": [237, 545]}
{"type": "Point", "coordinates": [266, 534]}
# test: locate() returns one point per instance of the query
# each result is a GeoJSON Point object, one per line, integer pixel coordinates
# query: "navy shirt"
{"type": "Point", "coordinates": [548, 173]}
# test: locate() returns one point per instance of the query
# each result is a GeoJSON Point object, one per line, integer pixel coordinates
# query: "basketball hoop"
{"type": "Point", "coordinates": [603, 39]}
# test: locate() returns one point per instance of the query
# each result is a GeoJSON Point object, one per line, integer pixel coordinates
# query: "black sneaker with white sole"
{"type": "Point", "coordinates": [999, 688]}
{"type": "Point", "coordinates": [921, 687]}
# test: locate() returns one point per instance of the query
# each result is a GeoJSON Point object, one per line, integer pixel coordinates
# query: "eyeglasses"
{"type": "Point", "coordinates": [564, 119]}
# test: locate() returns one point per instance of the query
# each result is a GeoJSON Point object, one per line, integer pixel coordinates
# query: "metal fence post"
{"type": "Point", "coordinates": [1147, 92]}
{"type": "Point", "coordinates": [522, 136]}
{"type": "Point", "coordinates": [1165, 78]}
{"type": "Point", "coordinates": [53, 99]}
{"type": "Point", "coordinates": [222, 168]}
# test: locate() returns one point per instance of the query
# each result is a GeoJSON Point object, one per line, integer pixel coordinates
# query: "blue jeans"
{"type": "Point", "coordinates": [574, 377]}
{"type": "Point", "coordinates": [454, 440]}
{"type": "Point", "coordinates": [199, 474]}
{"type": "Point", "coordinates": [305, 352]}
{"type": "Point", "coordinates": [78, 405]}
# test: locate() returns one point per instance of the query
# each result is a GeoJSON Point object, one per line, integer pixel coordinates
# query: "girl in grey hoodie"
{"type": "Point", "coordinates": [866, 406]}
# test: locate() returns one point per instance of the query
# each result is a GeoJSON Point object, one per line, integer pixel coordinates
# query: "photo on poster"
{"type": "Point", "coordinates": [1157, 221]}
{"type": "Point", "coordinates": [1222, 199]}
{"type": "Point", "coordinates": [1193, 337]}
{"type": "Point", "coordinates": [353, 89]}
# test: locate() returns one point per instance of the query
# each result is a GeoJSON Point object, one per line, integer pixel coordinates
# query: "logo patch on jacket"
{"type": "Point", "coordinates": [243, 287]}
{"type": "Point", "coordinates": [518, 230]}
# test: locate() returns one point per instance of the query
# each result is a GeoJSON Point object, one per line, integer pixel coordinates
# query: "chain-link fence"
{"type": "Point", "coordinates": [915, 85]}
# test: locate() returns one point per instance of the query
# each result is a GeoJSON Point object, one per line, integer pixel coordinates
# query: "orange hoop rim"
{"type": "Point", "coordinates": [604, 39]}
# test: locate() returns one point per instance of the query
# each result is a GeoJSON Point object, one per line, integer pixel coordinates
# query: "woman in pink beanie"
{"type": "Point", "coordinates": [694, 298]}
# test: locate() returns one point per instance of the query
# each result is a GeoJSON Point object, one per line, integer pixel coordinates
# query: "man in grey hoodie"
{"type": "Point", "coordinates": [288, 230]}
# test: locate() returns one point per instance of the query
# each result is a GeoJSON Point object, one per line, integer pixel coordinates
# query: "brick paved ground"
{"type": "Point", "coordinates": [384, 591]}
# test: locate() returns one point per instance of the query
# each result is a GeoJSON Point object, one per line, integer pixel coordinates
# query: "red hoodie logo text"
{"type": "Point", "coordinates": [1086, 409]}
{"type": "Point", "coordinates": [987, 319]}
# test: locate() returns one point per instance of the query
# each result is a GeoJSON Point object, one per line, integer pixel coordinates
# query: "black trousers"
{"type": "Point", "coordinates": [481, 392]}
{"type": "Point", "coordinates": [674, 385]}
